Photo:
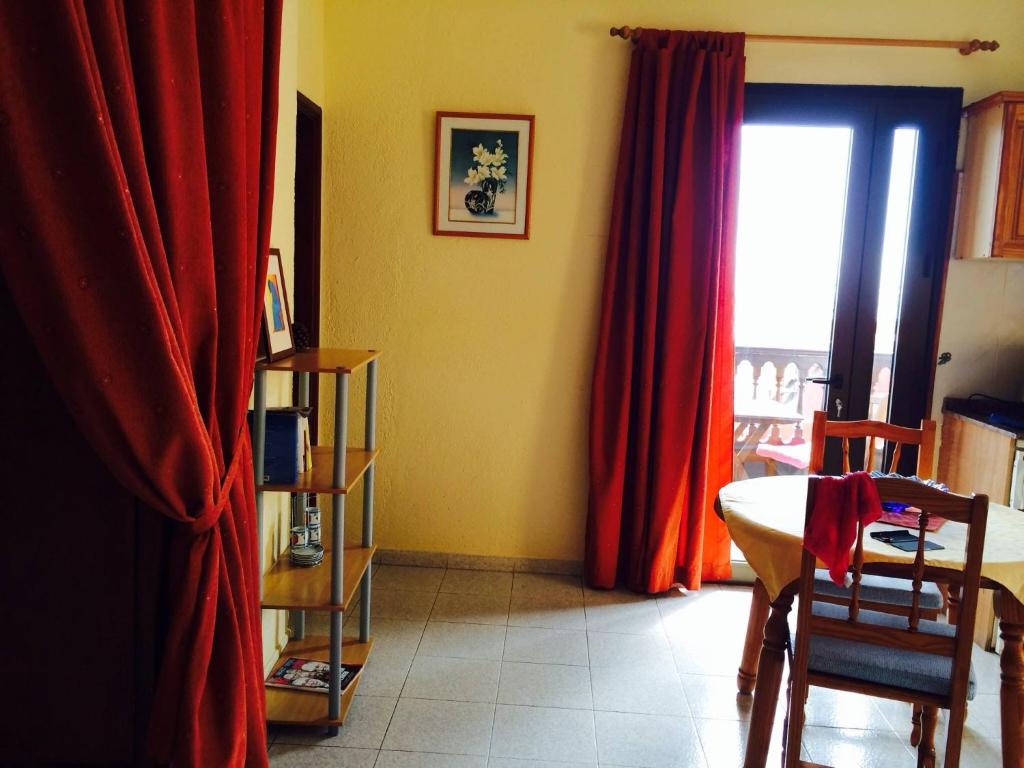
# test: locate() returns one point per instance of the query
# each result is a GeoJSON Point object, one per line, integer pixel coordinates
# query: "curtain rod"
{"type": "Point", "coordinates": [965, 47]}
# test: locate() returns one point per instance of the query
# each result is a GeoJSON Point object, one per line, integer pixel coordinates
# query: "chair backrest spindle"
{"type": "Point", "coordinates": [896, 457]}
{"type": "Point", "coordinates": [918, 581]}
{"type": "Point", "coordinates": [923, 438]}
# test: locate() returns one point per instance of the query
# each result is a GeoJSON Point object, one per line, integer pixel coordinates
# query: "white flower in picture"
{"type": "Point", "coordinates": [479, 152]}
{"type": "Point", "coordinates": [499, 173]}
{"type": "Point", "coordinates": [478, 174]}
{"type": "Point", "coordinates": [498, 156]}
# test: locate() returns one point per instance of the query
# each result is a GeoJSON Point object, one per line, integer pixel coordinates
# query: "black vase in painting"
{"type": "Point", "coordinates": [481, 201]}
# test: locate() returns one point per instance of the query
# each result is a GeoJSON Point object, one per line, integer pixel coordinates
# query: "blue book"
{"type": "Point", "coordinates": [285, 444]}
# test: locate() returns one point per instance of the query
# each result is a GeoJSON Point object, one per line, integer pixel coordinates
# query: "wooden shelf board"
{"type": "Point", "coordinates": [294, 587]}
{"type": "Point", "coordinates": [320, 479]}
{"type": "Point", "coordinates": [304, 708]}
{"type": "Point", "coordinates": [321, 361]}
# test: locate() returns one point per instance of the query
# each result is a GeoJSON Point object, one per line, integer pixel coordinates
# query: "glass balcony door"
{"type": "Point", "coordinates": [843, 217]}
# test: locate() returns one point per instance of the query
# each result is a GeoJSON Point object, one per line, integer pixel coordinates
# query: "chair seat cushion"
{"type": "Point", "coordinates": [881, 589]}
{"type": "Point", "coordinates": [911, 670]}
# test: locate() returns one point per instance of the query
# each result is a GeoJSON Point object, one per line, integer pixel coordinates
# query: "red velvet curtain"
{"type": "Point", "coordinates": [661, 403]}
{"type": "Point", "coordinates": [137, 144]}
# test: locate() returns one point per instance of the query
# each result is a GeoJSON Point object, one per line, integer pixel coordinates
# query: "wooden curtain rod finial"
{"type": "Point", "coordinates": [626, 33]}
{"type": "Point", "coordinates": [979, 45]}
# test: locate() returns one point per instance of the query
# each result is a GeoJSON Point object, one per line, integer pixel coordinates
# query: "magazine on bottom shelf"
{"type": "Point", "coordinates": [309, 675]}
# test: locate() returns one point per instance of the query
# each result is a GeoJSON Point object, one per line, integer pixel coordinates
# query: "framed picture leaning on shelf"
{"type": "Point", "coordinates": [277, 320]}
{"type": "Point", "coordinates": [482, 166]}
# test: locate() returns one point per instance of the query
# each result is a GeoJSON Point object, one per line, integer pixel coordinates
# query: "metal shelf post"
{"type": "Point", "coordinates": [298, 618]}
{"type": "Point", "coordinates": [370, 442]}
{"type": "Point", "coordinates": [337, 544]}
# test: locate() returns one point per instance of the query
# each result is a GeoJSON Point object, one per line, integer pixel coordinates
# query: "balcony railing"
{"type": "Point", "coordinates": [776, 373]}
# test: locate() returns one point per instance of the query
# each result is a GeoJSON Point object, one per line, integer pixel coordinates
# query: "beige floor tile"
{"type": "Point", "coordinates": [983, 716]}
{"type": "Point", "coordinates": [986, 671]}
{"type": "Point", "coordinates": [704, 651]}
{"type": "Point", "coordinates": [546, 646]}
{"type": "Point", "coordinates": [411, 606]}
{"type": "Point", "coordinates": [725, 743]}
{"type": "Point", "coordinates": [608, 596]}
{"type": "Point", "coordinates": [294, 756]}
{"type": "Point", "coordinates": [471, 609]}
{"type": "Point", "coordinates": [384, 674]}
{"type": "Point", "coordinates": [447, 727]}
{"type": "Point", "coordinates": [365, 725]}
{"type": "Point", "coordinates": [569, 587]}
{"type": "Point", "coordinates": [651, 741]}
{"type": "Point", "coordinates": [976, 752]}
{"type": "Point", "coordinates": [715, 697]}
{"type": "Point", "coordinates": [545, 685]}
{"type": "Point", "coordinates": [390, 636]}
{"type": "Point", "coordinates": [614, 649]}
{"type": "Point", "coordinates": [628, 617]}
{"type": "Point", "coordinates": [477, 582]}
{"type": "Point", "coordinates": [543, 733]}
{"type": "Point", "coordinates": [724, 610]}
{"type": "Point", "coordinates": [429, 760]}
{"type": "Point", "coordinates": [463, 641]}
{"type": "Point", "coordinates": [550, 611]}
{"type": "Point", "coordinates": [407, 578]}
{"type": "Point", "coordinates": [652, 689]}
{"type": "Point", "coordinates": [841, 709]}
{"type": "Point", "coordinates": [511, 762]}
{"type": "Point", "coordinates": [445, 679]}
{"type": "Point", "coordinates": [864, 748]}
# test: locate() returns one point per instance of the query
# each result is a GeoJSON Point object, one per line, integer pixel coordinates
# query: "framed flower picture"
{"type": "Point", "coordinates": [482, 174]}
{"type": "Point", "coordinates": [277, 320]}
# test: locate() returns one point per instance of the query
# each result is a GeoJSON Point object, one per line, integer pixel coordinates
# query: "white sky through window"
{"type": "Point", "coordinates": [792, 205]}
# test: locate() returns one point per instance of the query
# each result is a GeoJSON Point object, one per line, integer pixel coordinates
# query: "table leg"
{"type": "Point", "coordinates": [747, 675]}
{"type": "Point", "coordinates": [1011, 630]}
{"type": "Point", "coordinates": [769, 678]}
{"type": "Point", "coordinates": [748, 448]}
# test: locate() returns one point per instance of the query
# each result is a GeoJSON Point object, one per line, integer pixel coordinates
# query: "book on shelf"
{"type": "Point", "coordinates": [309, 675]}
{"type": "Point", "coordinates": [287, 449]}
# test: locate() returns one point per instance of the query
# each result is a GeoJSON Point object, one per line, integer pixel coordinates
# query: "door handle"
{"type": "Point", "coordinates": [835, 380]}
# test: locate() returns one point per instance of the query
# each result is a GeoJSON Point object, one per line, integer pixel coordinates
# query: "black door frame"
{"type": "Point", "coordinates": [308, 169]}
{"type": "Point", "coordinates": [874, 112]}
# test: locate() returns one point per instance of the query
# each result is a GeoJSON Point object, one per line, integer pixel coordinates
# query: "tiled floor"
{"type": "Point", "coordinates": [474, 669]}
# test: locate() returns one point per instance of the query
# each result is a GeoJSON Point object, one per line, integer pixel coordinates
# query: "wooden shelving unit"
{"type": "Point", "coordinates": [320, 479]}
{"type": "Point", "coordinates": [330, 586]}
{"type": "Point", "coordinates": [295, 588]}
{"type": "Point", "coordinates": [303, 708]}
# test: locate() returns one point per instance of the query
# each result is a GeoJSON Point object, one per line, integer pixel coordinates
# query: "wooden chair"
{"type": "Point", "coordinates": [878, 593]}
{"type": "Point", "coordinates": [906, 658]}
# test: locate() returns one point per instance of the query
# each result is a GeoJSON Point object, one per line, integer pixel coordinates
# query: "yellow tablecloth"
{"type": "Point", "coordinates": [765, 517]}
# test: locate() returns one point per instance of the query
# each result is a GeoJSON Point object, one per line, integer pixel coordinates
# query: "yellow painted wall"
{"type": "Point", "coordinates": [301, 70]}
{"type": "Point", "coordinates": [487, 343]}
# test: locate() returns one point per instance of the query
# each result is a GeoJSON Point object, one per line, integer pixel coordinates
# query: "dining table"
{"type": "Point", "coordinates": [765, 517]}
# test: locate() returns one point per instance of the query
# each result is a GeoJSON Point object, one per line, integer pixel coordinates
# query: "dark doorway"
{"type": "Point", "coordinates": [308, 155]}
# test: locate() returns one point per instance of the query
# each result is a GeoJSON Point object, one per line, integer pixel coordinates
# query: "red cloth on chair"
{"type": "Point", "coordinates": [839, 504]}
{"type": "Point", "coordinates": [137, 146]}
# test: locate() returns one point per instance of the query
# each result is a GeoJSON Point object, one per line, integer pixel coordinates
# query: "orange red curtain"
{"type": "Point", "coordinates": [662, 390]}
{"type": "Point", "coordinates": [137, 145]}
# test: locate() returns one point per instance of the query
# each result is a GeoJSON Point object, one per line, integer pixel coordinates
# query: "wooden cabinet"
{"type": "Point", "coordinates": [975, 457]}
{"type": "Point", "coordinates": [991, 208]}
